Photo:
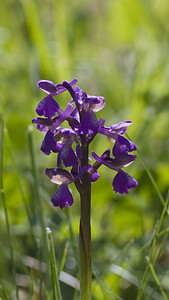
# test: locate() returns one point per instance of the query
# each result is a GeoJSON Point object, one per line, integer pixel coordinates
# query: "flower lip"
{"type": "Point", "coordinates": [123, 182]}
{"type": "Point", "coordinates": [47, 107]}
{"type": "Point", "coordinates": [62, 197]}
{"type": "Point", "coordinates": [49, 144]}
{"type": "Point", "coordinates": [89, 123]}
{"type": "Point", "coordinates": [67, 155]}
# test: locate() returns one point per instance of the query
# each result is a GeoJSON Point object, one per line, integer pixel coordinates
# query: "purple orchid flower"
{"type": "Point", "coordinates": [122, 181]}
{"type": "Point", "coordinates": [122, 146]}
{"type": "Point", "coordinates": [89, 105]}
{"type": "Point", "coordinates": [63, 197]}
{"type": "Point", "coordinates": [80, 114]}
{"type": "Point", "coordinates": [48, 106]}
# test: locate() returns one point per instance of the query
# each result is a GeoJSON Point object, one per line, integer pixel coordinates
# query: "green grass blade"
{"type": "Point", "coordinates": [9, 148]}
{"type": "Point", "coordinates": [36, 186]}
{"type": "Point", "coordinates": [55, 279]}
{"type": "Point", "coordinates": [36, 35]}
{"type": "Point", "coordinates": [151, 252]}
{"type": "Point", "coordinates": [156, 278]}
{"type": "Point", "coordinates": [43, 246]}
{"type": "Point", "coordinates": [64, 257]}
{"type": "Point", "coordinates": [5, 207]}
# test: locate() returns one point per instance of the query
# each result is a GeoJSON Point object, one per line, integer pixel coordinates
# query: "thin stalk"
{"type": "Point", "coordinates": [55, 278]}
{"type": "Point", "coordinates": [64, 257]}
{"type": "Point", "coordinates": [37, 195]}
{"type": "Point", "coordinates": [151, 253]}
{"type": "Point", "coordinates": [9, 148]}
{"type": "Point", "coordinates": [85, 232]}
{"type": "Point", "coordinates": [5, 207]}
{"type": "Point", "coordinates": [156, 278]}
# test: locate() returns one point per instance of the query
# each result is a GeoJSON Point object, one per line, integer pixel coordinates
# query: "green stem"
{"type": "Point", "coordinates": [85, 232]}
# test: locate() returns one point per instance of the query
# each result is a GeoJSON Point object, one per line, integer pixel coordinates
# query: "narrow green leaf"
{"type": "Point", "coordinates": [55, 279]}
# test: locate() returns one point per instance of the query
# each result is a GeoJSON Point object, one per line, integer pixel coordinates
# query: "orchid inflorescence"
{"type": "Point", "coordinates": [84, 126]}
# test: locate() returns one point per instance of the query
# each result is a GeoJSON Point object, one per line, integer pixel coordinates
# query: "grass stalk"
{"type": "Point", "coordinates": [156, 278]}
{"type": "Point", "coordinates": [64, 257]}
{"type": "Point", "coordinates": [39, 206]}
{"type": "Point", "coordinates": [151, 253]}
{"type": "Point", "coordinates": [9, 148]}
{"type": "Point", "coordinates": [55, 278]}
{"type": "Point", "coordinates": [5, 208]}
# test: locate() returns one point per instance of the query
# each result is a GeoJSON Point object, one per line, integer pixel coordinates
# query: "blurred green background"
{"type": "Point", "coordinates": [117, 49]}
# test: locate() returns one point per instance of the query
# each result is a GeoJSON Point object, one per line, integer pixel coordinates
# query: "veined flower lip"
{"type": "Point", "coordinates": [122, 182]}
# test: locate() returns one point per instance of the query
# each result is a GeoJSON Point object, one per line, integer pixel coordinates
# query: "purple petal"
{"type": "Point", "coordinates": [113, 131]}
{"type": "Point", "coordinates": [59, 176]}
{"type": "Point", "coordinates": [49, 144]}
{"type": "Point", "coordinates": [47, 86]}
{"type": "Point", "coordinates": [80, 95]}
{"type": "Point", "coordinates": [68, 133]}
{"type": "Point", "coordinates": [89, 123]}
{"type": "Point", "coordinates": [60, 88]}
{"type": "Point", "coordinates": [47, 107]}
{"type": "Point", "coordinates": [50, 88]}
{"type": "Point", "coordinates": [95, 176]}
{"type": "Point", "coordinates": [107, 132]}
{"type": "Point", "coordinates": [121, 127]}
{"type": "Point", "coordinates": [116, 163]}
{"type": "Point", "coordinates": [95, 103]}
{"type": "Point", "coordinates": [122, 146]}
{"type": "Point", "coordinates": [63, 116]}
{"type": "Point", "coordinates": [67, 155]}
{"type": "Point", "coordinates": [102, 122]}
{"type": "Point", "coordinates": [42, 121]}
{"type": "Point", "coordinates": [123, 182]}
{"type": "Point", "coordinates": [62, 197]}
{"type": "Point", "coordinates": [106, 154]}
{"type": "Point", "coordinates": [74, 119]}
{"type": "Point", "coordinates": [42, 124]}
